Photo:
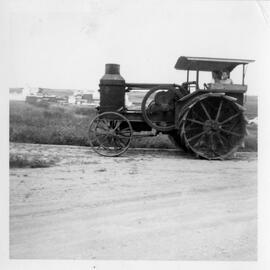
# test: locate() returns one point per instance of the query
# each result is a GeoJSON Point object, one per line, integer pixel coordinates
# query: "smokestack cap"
{"type": "Point", "coordinates": [112, 75]}
{"type": "Point", "coordinates": [112, 69]}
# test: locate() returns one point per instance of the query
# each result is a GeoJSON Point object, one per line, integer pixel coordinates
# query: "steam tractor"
{"type": "Point", "coordinates": [207, 122]}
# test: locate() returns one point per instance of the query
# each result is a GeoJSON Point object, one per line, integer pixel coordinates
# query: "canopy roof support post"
{"type": "Point", "coordinates": [197, 79]}
{"type": "Point", "coordinates": [188, 79]}
{"type": "Point", "coordinates": [243, 75]}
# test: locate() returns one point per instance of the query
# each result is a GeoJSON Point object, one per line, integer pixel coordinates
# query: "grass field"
{"type": "Point", "coordinates": [49, 125]}
{"type": "Point", "coordinates": [68, 125]}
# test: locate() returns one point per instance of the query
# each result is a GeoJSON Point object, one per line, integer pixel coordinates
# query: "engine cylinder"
{"type": "Point", "coordinates": [112, 89]}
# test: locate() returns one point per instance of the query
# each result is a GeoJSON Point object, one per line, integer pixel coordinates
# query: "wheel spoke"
{"type": "Point", "coordinates": [104, 122]}
{"type": "Point", "coordinates": [219, 110]}
{"type": "Point", "coordinates": [102, 125]}
{"type": "Point", "coordinates": [116, 124]}
{"type": "Point", "coordinates": [195, 121]}
{"type": "Point", "coordinates": [233, 126]}
{"type": "Point", "coordinates": [103, 141]}
{"type": "Point", "coordinates": [101, 132]}
{"type": "Point", "coordinates": [212, 143]}
{"type": "Point", "coordinates": [101, 128]}
{"type": "Point", "coordinates": [196, 136]}
{"type": "Point", "coordinates": [123, 135]}
{"type": "Point", "coordinates": [230, 118]}
{"type": "Point", "coordinates": [120, 136]}
{"type": "Point", "coordinates": [110, 143]}
{"type": "Point", "coordinates": [227, 141]}
{"type": "Point", "coordinates": [188, 128]}
{"type": "Point", "coordinates": [104, 136]}
{"type": "Point", "coordinates": [121, 143]}
{"type": "Point", "coordinates": [125, 132]}
{"type": "Point", "coordinates": [197, 143]}
{"type": "Point", "coordinates": [125, 129]}
{"type": "Point", "coordinates": [206, 112]}
{"type": "Point", "coordinates": [230, 132]}
{"type": "Point", "coordinates": [115, 141]}
{"type": "Point", "coordinates": [196, 115]}
{"type": "Point", "coordinates": [220, 140]}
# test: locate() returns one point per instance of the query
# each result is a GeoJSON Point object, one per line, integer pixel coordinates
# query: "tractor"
{"type": "Point", "coordinates": [207, 121]}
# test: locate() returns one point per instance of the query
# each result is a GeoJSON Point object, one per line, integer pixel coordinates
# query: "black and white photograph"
{"type": "Point", "coordinates": [133, 131]}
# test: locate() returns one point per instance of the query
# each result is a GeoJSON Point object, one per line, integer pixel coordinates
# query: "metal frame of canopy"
{"type": "Point", "coordinates": [209, 64]}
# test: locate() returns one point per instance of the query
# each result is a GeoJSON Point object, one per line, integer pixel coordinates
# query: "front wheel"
{"type": "Point", "coordinates": [110, 134]}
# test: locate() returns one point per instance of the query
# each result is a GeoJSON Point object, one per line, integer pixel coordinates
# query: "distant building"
{"type": "Point", "coordinates": [33, 99]}
{"type": "Point", "coordinates": [20, 93]}
{"type": "Point", "coordinates": [83, 98]}
{"type": "Point", "coordinates": [62, 100]}
{"type": "Point", "coordinates": [88, 97]}
{"type": "Point", "coordinates": [34, 95]}
{"type": "Point", "coordinates": [55, 92]}
{"type": "Point", "coordinates": [72, 99]}
{"type": "Point", "coordinates": [16, 93]}
{"type": "Point", "coordinates": [49, 99]}
{"type": "Point", "coordinates": [60, 96]}
{"type": "Point", "coordinates": [16, 90]}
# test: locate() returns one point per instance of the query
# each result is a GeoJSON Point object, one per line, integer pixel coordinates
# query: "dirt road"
{"type": "Point", "coordinates": [147, 205]}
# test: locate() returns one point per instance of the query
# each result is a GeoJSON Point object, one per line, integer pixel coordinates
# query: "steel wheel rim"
{"type": "Point", "coordinates": [110, 134]}
{"type": "Point", "coordinates": [213, 127]}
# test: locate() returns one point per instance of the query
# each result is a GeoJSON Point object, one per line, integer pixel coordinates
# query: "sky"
{"type": "Point", "coordinates": [66, 44]}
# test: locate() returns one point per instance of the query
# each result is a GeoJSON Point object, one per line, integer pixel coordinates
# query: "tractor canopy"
{"type": "Point", "coordinates": [208, 64]}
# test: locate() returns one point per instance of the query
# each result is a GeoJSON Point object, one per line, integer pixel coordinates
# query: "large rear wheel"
{"type": "Point", "coordinates": [213, 127]}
